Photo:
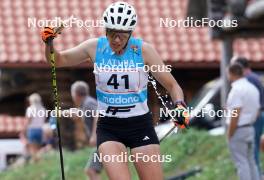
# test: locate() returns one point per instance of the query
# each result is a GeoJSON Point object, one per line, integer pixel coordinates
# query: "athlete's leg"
{"type": "Point", "coordinates": [92, 174]}
{"type": "Point", "coordinates": [150, 170]}
{"type": "Point", "coordinates": [115, 169]}
{"type": "Point", "coordinates": [93, 167]}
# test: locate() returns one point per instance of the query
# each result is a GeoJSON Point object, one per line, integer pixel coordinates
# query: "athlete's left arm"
{"type": "Point", "coordinates": [152, 58]}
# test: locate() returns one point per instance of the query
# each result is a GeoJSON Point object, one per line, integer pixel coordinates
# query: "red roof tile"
{"type": "Point", "coordinates": [11, 125]}
{"type": "Point", "coordinates": [22, 45]}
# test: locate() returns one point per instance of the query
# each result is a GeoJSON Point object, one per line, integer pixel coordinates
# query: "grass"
{"type": "Point", "coordinates": [188, 150]}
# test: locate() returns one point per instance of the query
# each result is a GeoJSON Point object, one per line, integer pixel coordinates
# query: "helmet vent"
{"type": "Point", "coordinates": [133, 23]}
{"type": "Point", "coordinates": [112, 20]}
{"type": "Point", "coordinates": [105, 19]}
{"type": "Point", "coordinates": [120, 10]}
{"type": "Point", "coordinates": [118, 19]}
{"type": "Point", "coordinates": [128, 12]}
{"type": "Point", "coordinates": [112, 10]}
{"type": "Point", "coordinates": [125, 21]}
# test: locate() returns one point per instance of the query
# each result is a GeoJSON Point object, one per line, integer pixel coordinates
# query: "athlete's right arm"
{"type": "Point", "coordinates": [70, 57]}
{"type": "Point", "coordinates": [73, 56]}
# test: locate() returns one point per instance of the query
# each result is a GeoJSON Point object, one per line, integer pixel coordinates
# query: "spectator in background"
{"type": "Point", "coordinates": [238, 7]}
{"type": "Point", "coordinates": [243, 103]}
{"type": "Point", "coordinates": [26, 155]}
{"type": "Point", "coordinates": [258, 125]}
{"type": "Point", "coordinates": [34, 124]}
{"type": "Point", "coordinates": [48, 140]}
{"type": "Point", "coordinates": [83, 100]}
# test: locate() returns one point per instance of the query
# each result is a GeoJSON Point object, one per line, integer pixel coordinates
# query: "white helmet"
{"type": "Point", "coordinates": [120, 16]}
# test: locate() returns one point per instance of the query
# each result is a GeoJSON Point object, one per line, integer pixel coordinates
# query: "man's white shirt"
{"type": "Point", "coordinates": [244, 95]}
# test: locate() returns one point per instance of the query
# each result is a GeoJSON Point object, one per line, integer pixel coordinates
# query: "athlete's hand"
{"type": "Point", "coordinates": [48, 33]}
{"type": "Point", "coordinates": [182, 116]}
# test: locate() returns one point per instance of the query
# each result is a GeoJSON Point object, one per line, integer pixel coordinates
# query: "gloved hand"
{"type": "Point", "coordinates": [182, 116]}
{"type": "Point", "coordinates": [48, 33]}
